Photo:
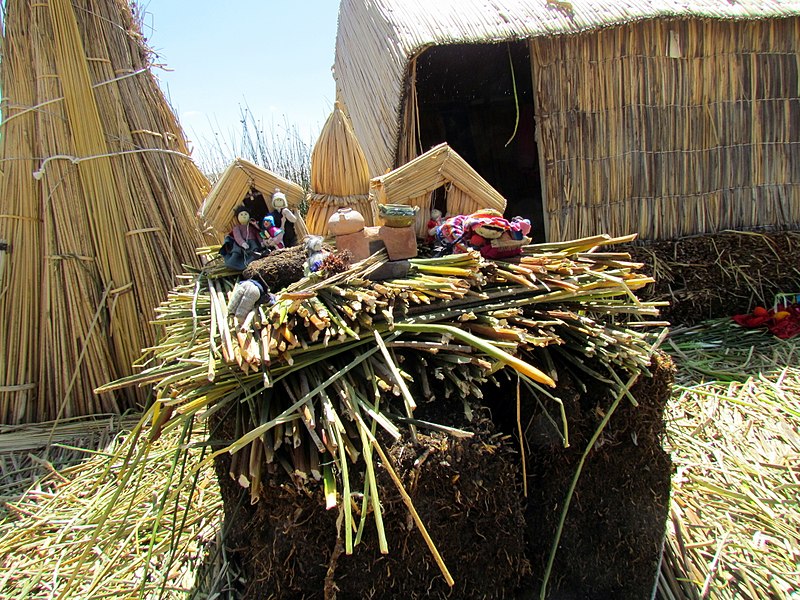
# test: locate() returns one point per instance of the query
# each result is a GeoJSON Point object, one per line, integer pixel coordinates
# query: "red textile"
{"type": "Point", "coordinates": [783, 321]}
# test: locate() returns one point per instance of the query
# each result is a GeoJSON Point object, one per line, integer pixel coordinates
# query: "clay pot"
{"type": "Point", "coordinates": [345, 221]}
{"type": "Point", "coordinates": [397, 215]}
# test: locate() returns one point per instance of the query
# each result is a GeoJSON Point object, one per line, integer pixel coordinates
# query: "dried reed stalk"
{"type": "Point", "coordinates": [100, 227]}
{"type": "Point", "coordinates": [732, 431]}
{"type": "Point", "coordinates": [20, 224]}
{"type": "Point", "coordinates": [128, 520]}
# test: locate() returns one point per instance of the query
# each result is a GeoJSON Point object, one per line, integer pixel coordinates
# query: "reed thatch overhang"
{"type": "Point", "coordinates": [237, 182]}
{"type": "Point", "coordinates": [666, 118]}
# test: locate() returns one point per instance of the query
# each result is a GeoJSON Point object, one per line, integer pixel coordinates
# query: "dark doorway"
{"type": "Point", "coordinates": [470, 97]}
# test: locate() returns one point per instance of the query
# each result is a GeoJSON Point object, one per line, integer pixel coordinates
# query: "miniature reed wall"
{"type": "Point", "coordinates": [670, 128]}
{"type": "Point", "coordinates": [99, 200]}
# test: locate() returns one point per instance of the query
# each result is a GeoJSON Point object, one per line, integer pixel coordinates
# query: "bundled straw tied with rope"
{"type": "Point", "coordinates": [101, 222]}
{"type": "Point", "coordinates": [339, 174]}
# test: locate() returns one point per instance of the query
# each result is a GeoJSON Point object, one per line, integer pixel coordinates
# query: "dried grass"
{"type": "Point", "coordinates": [733, 430]}
{"type": "Point", "coordinates": [117, 523]}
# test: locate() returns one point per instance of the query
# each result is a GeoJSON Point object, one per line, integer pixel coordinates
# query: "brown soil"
{"type": "Point", "coordinates": [720, 275]}
{"type": "Point", "coordinates": [279, 269]}
{"type": "Point", "coordinates": [469, 495]}
{"type": "Point", "coordinates": [467, 492]}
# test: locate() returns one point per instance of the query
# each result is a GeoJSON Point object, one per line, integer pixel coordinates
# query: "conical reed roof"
{"type": "Point", "coordinates": [339, 174]}
{"type": "Point", "coordinates": [338, 165]}
{"type": "Point", "coordinates": [99, 202]}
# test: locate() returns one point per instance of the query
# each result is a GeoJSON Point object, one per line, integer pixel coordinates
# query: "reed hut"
{"type": "Point", "coordinates": [244, 182]}
{"type": "Point", "coordinates": [440, 179]}
{"type": "Point", "coordinates": [658, 117]}
{"type": "Point", "coordinates": [339, 174]}
{"type": "Point", "coordinates": [99, 199]}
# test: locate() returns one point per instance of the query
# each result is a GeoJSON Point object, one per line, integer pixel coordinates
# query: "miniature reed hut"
{"type": "Point", "coordinates": [439, 179]}
{"type": "Point", "coordinates": [241, 183]}
{"type": "Point", "coordinates": [339, 174]}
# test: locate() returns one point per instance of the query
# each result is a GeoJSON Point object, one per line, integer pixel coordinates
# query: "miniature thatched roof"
{"type": "Point", "coordinates": [236, 182]}
{"type": "Point", "coordinates": [339, 174]}
{"type": "Point", "coordinates": [441, 166]}
{"type": "Point", "coordinates": [376, 40]}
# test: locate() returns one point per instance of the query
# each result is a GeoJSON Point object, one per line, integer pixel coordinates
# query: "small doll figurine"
{"type": "Point", "coordinates": [284, 218]}
{"type": "Point", "coordinates": [242, 244]}
{"type": "Point", "coordinates": [315, 252]}
{"type": "Point", "coordinates": [433, 223]}
{"type": "Point", "coordinates": [520, 228]}
{"type": "Point", "coordinates": [244, 232]}
{"type": "Point", "coordinates": [272, 235]}
{"type": "Point", "coordinates": [248, 294]}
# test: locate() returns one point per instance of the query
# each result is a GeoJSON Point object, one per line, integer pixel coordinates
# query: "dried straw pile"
{"type": "Point", "coordinates": [128, 518]}
{"type": "Point", "coordinates": [339, 174]}
{"type": "Point", "coordinates": [733, 432]}
{"type": "Point", "coordinates": [99, 205]}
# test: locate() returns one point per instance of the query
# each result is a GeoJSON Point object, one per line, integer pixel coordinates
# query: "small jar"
{"type": "Point", "coordinates": [344, 221]}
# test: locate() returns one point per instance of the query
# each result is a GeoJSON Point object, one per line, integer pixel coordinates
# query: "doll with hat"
{"type": "Point", "coordinates": [284, 218]}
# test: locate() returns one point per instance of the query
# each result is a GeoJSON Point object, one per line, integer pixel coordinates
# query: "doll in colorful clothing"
{"type": "Point", "coordinates": [272, 235]}
{"type": "Point", "coordinates": [243, 244]}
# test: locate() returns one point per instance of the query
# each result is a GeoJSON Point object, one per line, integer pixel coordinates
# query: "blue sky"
{"type": "Point", "coordinates": [271, 56]}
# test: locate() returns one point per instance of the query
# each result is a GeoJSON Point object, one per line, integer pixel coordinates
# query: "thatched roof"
{"type": "Point", "coordinates": [377, 39]}
{"type": "Point", "coordinates": [234, 184]}
{"type": "Point", "coordinates": [441, 166]}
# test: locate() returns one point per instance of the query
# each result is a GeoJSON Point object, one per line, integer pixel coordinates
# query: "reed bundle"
{"type": "Point", "coordinates": [339, 174]}
{"type": "Point", "coordinates": [312, 378]}
{"type": "Point", "coordinates": [100, 210]}
{"type": "Point", "coordinates": [732, 430]}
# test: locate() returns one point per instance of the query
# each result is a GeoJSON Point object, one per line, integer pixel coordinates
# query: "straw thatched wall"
{"type": "Point", "coordinates": [665, 118]}
{"type": "Point", "coordinates": [99, 198]}
{"type": "Point", "coordinates": [670, 128]}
